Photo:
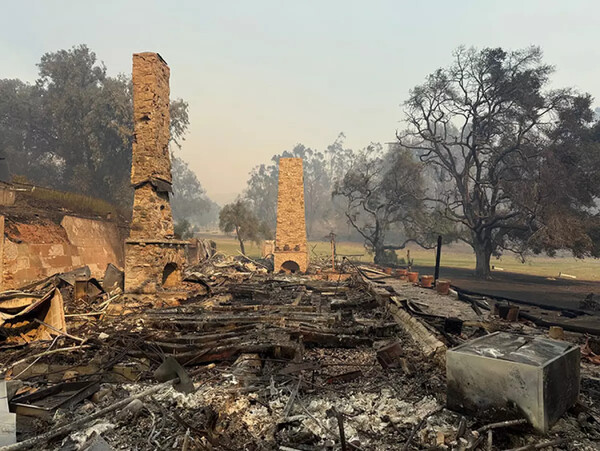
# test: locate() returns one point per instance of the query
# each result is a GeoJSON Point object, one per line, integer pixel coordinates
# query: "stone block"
{"type": "Point", "coordinates": [8, 428]}
{"type": "Point", "coordinates": [55, 250]}
{"type": "Point", "coordinates": [22, 263]}
{"type": "Point", "coordinates": [151, 217]}
{"type": "Point", "coordinates": [8, 421]}
{"type": "Point", "coordinates": [515, 376]}
{"type": "Point", "coordinates": [3, 397]}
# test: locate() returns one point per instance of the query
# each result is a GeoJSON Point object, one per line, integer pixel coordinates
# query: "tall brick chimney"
{"type": "Point", "coordinates": [291, 252]}
{"type": "Point", "coordinates": [153, 259]}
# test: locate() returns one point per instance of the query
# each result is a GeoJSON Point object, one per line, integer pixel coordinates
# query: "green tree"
{"type": "Point", "coordinates": [261, 192]}
{"type": "Point", "coordinates": [520, 160]}
{"type": "Point", "coordinates": [190, 202]}
{"type": "Point", "coordinates": [22, 132]}
{"type": "Point", "coordinates": [73, 128]}
{"type": "Point", "coordinates": [238, 217]}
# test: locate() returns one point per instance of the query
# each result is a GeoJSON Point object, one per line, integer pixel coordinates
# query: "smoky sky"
{"type": "Point", "coordinates": [261, 76]}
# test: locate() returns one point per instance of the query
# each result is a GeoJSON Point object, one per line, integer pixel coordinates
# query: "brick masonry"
{"type": "Point", "coordinates": [153, 259]}
{"type": "Point", "coordinates": [290, 239]}
{"type": "Point", "coordinates": [151, 266]}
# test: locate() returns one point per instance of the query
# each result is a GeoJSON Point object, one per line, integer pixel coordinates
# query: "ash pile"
{"type": "Point", "coordinates": [261, 361]}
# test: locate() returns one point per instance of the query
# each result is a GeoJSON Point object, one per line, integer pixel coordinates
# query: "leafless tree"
{"type": "Point", "coordinates": [382, 190]}
{"type": "Point", "coordinates": [489, 127]}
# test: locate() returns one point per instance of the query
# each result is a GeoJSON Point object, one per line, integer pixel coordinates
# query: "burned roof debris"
{"type": "Point", "coordinates": [275, 361]}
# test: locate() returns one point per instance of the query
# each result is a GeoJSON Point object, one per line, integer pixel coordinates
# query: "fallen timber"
{"type": "Point", "coordinates": [305, 349]}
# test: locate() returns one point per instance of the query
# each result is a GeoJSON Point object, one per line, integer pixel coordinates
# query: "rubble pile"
{"type": "Point", "coordinates": [277, 361]}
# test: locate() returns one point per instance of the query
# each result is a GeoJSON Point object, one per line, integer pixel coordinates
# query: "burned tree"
{"type": "Point", "coordinates": [494, 133]}
{"type": "Point", "coordinates": [382, 190]}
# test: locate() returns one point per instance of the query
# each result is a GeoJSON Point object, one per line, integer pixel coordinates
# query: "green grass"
{"type": "Point", "coordinates": [462, 257]}
{"type": "Point", "coordinates": [457, 256]}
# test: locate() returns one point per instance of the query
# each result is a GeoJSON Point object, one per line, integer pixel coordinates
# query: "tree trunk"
{"type": "Point", "coordinates": [237, 232]}
{"type": "Point", "coordinates": [483, 253]}
{"type": "Point", "coordinates": [379, 255]}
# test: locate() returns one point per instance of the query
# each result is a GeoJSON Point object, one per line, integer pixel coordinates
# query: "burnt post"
{"type": "Point", "coordinates": [438, 257]}
{"type": "Point", "coordinates": [332, 241]}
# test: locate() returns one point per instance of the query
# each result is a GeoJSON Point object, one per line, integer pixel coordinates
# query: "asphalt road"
{"type": "Point", "coordinates": [559, 293]}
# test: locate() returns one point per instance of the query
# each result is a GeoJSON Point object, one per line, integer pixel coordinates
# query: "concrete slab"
{"type": "Point", "coordinates": [8, 428]}
{"type": "Point", "coordinates": [3, 397]}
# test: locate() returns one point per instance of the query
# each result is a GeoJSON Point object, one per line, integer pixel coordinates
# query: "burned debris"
{"type": "Point", "coordinates": [282, 361]}
{"type": "Point", "coordinates": [216, 352]}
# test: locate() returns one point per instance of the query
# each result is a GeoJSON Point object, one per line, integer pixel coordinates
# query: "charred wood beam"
{"type": "Point", "coordinates": [327, 340]}
{"type": "Point", "coordinates": [283, 350]}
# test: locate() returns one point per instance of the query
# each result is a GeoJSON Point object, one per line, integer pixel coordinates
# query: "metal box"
{"type": "Point", "coordinates": [8, 421]}
{"type": "Point", "coordinates": [532, 377]}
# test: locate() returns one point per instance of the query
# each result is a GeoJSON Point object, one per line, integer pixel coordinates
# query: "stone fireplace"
{"type": "Point", "coordinates": [291, 252]}
{"type": "Point", "coordinates": [153, 258]}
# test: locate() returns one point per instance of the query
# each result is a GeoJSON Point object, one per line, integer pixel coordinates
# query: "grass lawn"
{"type": "Point", "coordinates": [457, 256]}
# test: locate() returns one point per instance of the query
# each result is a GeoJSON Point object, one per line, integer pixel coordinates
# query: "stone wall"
{"type": "Point", "coordinates": [152, 216]}
{"type": "Point", "coordinates": [33, 251]}
{"type": "Point", "coordinates": [290, 239]}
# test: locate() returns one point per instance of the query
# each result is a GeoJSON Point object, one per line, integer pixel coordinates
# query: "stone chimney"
{"type": "Point", "coordinates": [291, 252]}
{"type": "Point", "coordinates": [153, 259]}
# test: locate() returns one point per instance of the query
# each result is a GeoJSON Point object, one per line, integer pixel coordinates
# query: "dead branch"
{"type": "Point", "coordinates": [557, 442]}
{"type": "Point", "coordinates": [44, 438]}
{"type": "Point", "coordinates": [58, 331]}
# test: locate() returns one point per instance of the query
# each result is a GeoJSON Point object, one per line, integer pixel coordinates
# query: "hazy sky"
{"type": "Point", "coordinates": [261, 76]}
